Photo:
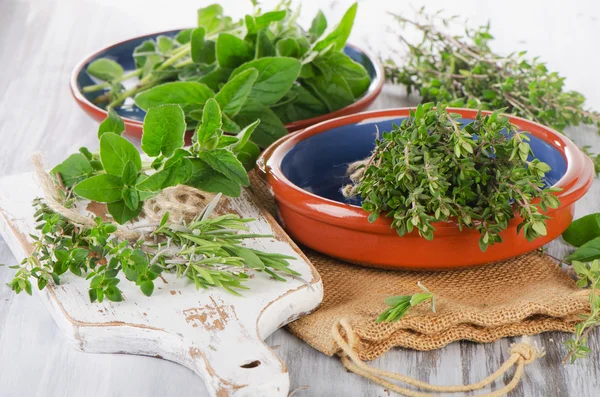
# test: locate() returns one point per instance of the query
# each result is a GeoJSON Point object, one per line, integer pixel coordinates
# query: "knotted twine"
{"type": "Point", "coordinates": [525, 295]}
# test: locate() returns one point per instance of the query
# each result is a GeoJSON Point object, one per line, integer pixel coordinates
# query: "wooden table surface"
{"type": "Point", "coordinates": [41, 41]}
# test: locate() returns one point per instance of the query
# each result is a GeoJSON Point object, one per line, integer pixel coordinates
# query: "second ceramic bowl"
{"type": "Point", "coordinates": [306, 171]}
{"type": "Point", "coordinates": [133, 116]}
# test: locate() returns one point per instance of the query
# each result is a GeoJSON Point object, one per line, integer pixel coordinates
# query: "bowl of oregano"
{"type": "Point", "coordinates": [427, 187]}
{"type": "Point", "coordinates": [264, 66]}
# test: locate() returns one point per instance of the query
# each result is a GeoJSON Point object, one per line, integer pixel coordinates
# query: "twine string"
{"type": "Point", "coordinates": [521, 354]}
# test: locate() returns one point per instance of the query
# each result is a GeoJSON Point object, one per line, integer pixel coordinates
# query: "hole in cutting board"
{"type": "Point", "coordinates": [251, 364]}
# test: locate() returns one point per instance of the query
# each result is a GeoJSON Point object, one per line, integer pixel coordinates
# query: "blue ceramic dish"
{"type": "Point", "coordinates": [134, 116]}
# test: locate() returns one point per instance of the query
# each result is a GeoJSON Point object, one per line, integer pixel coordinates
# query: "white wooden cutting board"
{"type": "Point", "coordinates": [217, 335]}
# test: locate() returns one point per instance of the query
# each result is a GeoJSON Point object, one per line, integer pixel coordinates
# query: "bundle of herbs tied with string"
{"type": "Point", "coordinates": [464, 71]}
{"type": "Point", "coordinates": [207, 249]}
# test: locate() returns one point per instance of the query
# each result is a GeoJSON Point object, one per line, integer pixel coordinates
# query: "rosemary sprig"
{"type": "Point", "coordinates": [207, 250]}
{"type": "Point", "coordinates": [400, 305]}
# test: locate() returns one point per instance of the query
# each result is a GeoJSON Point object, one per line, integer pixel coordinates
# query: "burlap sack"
{"type": "Point", "coordinates": [526, 295]}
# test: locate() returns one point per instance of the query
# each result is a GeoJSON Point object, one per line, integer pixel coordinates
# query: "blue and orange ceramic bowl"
{"type": "Point", "coordinates": [133, 116]}
{"type": "Point", "coordinates": [306, 171]}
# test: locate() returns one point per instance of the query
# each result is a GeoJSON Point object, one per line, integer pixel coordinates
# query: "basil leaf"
{"type": "Point", "coordinates": [130, 173]}
{"type": "Point", "coordinates": [225, 162]}
{"type": "Point", "coordinates": [318, 25]}
{"type": "Point", "coordinates": [187, 94]}
{"type": "Point", "coordinates": [302, 105]}
{"type": "Point", "coordinates": [335, 93]}
{"type": "Point", "coordinates": [582, 230]}
{"type": "Point", "coordinates": [248, 154]}
{"type": "Point", "coordinates": [112, 123]}
{"type": "Point", "coordinates": [163, 130]}
{"type": "Point", "coordinates": [587, 252]}
{"type": "Point", "coordinates": [232, 51]}
{"type": "Point", "coordinates": [105, 69]}
{"type": "Point", "coordinates": [338, 36]}
{"type": "Point", "coordinates": [197, 40]}
{"type": "Point", "coordinates": [288, 48]}
{"type": "Point", "coordinates": [276, 75]}
{"type": "Point", "coordinates": [103, 188]}
{"type": "Point", "coordinates": [233, 95]}
{"type": "Point", "coordinates": [205, 178]}
{"type": "Point", "coordinates": [270, 128]}
{"type": "Point", "coordinates": [353, 72]}
{"type": "Point", "coordinates": [176, 174]}
{"type": "Point", "coordinates": [121, 213]}
{"type": "Point", "coordinates": [209, 131]}
{"type": "Point", "coordinates": [74, 169]}
{"type": "Point", "coordinates": [115, 152]}
{"type": "Point", "coordinates": [131, 198]}
{"type": "Point", "coordinates": [264, 45]}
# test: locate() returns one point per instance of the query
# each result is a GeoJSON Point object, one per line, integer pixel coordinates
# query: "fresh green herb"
{"type": "Point", "coordinates": [117, 175]}
{"type": "Point", "coordinates": [465, 72]}
{"type": "Point", "coordinates": [399, 305]}
{"type": "Point", "coordinates": [429, 169]}
{"type": "Point", "coordinates": [264, 66]}
{"type": "Point", "coordinates": [589, 277]}
{"type": "Point", "coordinates": [208, 250]}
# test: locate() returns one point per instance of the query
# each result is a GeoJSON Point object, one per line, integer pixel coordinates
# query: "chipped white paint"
{"type": "Point", "coordinates": [214, 333]}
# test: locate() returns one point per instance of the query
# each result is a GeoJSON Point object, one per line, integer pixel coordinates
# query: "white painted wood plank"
{"type": "Point", "coordinates": [41, 40]}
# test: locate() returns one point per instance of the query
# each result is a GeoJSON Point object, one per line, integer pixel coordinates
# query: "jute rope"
{"type": "Point", "coordinates": [521, 355]}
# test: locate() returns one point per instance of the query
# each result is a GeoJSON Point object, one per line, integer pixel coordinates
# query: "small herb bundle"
{"type": "Point", "coordinates": [431, 169]}
{"type": "Point", "coordinates": [207, 251]}
{"type": "Point", "coordinates": [117, 175]}
{"type": "Point", "coordinates": [401, 304]}
{"type": "Point", "coordinates": [465, 72]}
{"type": "Point", "coordinates": [263, 67]}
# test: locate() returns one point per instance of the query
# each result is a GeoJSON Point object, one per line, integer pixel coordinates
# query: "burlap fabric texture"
{"type": "Point", "coordinates": [525, 295]}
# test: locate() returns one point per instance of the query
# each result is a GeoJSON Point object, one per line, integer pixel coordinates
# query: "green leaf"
{"type": "Point", "coordinates": [187, 94]}
{"type": "Point", "coordinates": [299, 104]}
{"type": "Point", "coordinates": [112, 123]}
{"type": "Point", "coordinates": [147, 287]}
{"type": "Point", "coordinates": [288, 48]}
{"type": "Point", "coordinates": [142, 52]}
{"type": "Point", "coordinates": [244, 135]}
{"type": "Point", "coordinates": [335, 93]}
{"type": "Point", "coordinates": [338, 36]}
{"type": "Point", "coordinates": [205, 178]}
{"type": "Point", "coordinates": [264, 45]}
{"type": "Point", "coordinates": [276, 75]}
{"type": "Point", "coordinates": [225, 162]}
{"type": "Point", "coordinates": [184, 36]}
{"type": "Point", "coordinates": [115, 152]}
{"type": "Point", "coordinates": [197, 40]}
{"type": "Point", "coordinates": [130, 173]}
{"type": "Point", "coordinates": [258, 23]}
{"type": "Point", "coordinates": [211, 18]}
{"type": "Point", "coordinates": [165, 44]}
{"type": "Point", "coordinates": [583, 230]}
{"type": "Point", "coordinates": [121, 213]}
{"type": "Point", "coordinates": [215, 78]}
{"type": "Point", "coordinates": [177, 174]}
{"type": "Point", "coordinates": [163, 130]}
{"type": "Point", "coordinates": [105, 69]}
{"type": "Point", "coordinates": [233, 95]}
{"type": "Point", "coordinates": [73, 170]}
{"type": "Point", "coordinates": [318, 25]}
{"type": "Point", "coordinates": [131, 198]}
{"type": "Point", "coordinates": [113, 294]}
{"type": "Point", "coordinates": [248, 154]}
{"type": "Point", "coordinates": [232, 51]}
{"type": "Point", "coordinates": [208, 132]}
{"type": "Point", "coordinates": [352, 72]}
{"type": "Point", "coordinates": [270, 128]}
{"type": "Point", "coordinates": [587, 252]}
{"type": "Point", "coordinates": [103, 188]}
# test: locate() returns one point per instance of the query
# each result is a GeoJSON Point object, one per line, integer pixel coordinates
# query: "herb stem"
{"type": "Point", "coordinates": [98, 87]}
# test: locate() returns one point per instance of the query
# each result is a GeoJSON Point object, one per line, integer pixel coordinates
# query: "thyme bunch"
{"type": "Point", "coordinates": [433, 169]}
{"type": "Point", "coordinates": [207, 250]}
{"type": "Point", "coordinates": [463, 71]}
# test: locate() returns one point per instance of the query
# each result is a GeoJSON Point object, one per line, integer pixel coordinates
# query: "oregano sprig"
{"type": "Point", "coordinates": [431, 168]}
{"type": "Point", "coordinates": [401, 304]}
